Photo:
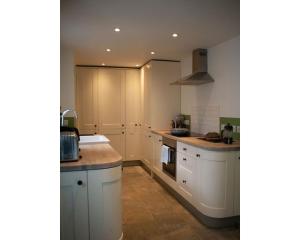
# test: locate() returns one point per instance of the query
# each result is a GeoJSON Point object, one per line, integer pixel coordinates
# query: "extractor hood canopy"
{"type": "Point", "coordinates": [200, 74]}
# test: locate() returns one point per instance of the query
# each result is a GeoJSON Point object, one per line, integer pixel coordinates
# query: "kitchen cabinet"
{"type": "Point", "coordinates": [157, 143]}
{"type": "Point", "coordinates": [148, 149]}
{"type": "Point", "coordinates": [74, 206]}
{"type": "Point", "coordinates": [133, 144]}
{"type": "Point", "coordinates": [91, 204]}
{"type": "Point", "coordinates": [237, 185]}
{"type": "Point", "coordinates": [86, 99]}
{"type": "Point", "coordinates": [117, 139]}
{"type": "Point", "coordinates": [105, 215]}
{"type": "Point", "coordinates": [160, 100]}
{"type": "Point", "coordinates": [111, 98]}
{"type": "Point", "coordinates": [133, 115]}
{"type": "Point", "coordinates": [109, 103]}
{"type": "Point", "coordinates": [133, 98]}
{"type": "Point", "coordinates": [158, 96]}
{"type": "Point", "coordinates": [213, 179]}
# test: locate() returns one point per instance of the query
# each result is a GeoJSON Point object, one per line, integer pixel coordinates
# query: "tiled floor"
{"type": "Point", "coordinates": [150, 212]}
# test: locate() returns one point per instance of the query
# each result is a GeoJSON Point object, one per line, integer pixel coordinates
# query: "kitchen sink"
{"type": "Point", "coordinates": [93, 139]}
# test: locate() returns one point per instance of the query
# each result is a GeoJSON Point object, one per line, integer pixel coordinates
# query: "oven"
{"type": "Point", "coordinates": [169, 168]}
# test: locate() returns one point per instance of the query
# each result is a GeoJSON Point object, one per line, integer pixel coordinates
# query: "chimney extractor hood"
{"type": "Point", "coordinates": [200, 74]}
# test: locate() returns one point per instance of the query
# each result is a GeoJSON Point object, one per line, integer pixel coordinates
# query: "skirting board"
{"type": "Point", "coordinates": [131, 163]}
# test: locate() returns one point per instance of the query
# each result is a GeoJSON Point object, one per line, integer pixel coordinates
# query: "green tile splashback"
{"type": "Point", "coordinates": [235, 122]}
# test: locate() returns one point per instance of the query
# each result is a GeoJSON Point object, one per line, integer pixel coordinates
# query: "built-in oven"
{"type": "Point", "coordinates": [169, 167]}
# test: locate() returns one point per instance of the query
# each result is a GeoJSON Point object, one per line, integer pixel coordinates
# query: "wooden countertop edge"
{"type": "Point", "coordinates": [94, 166]}
{"type": "Point", "coordinates": [198, 144]}
{"type": "Point", "coordinates": [94, 157]}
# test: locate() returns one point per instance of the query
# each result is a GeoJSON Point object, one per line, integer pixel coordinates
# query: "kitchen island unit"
{"type": "Point", "coordinates": [90, 195]}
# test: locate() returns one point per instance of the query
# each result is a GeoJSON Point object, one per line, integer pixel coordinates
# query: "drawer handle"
{"type": "Point", "coordinates": [149, 136]}
{"type": "Point", "coordinates": [149, 127]}
{"type": "Point", "coordinates": [184, 159]}
{"type": "Point", "coordinates": [122, 125]}
{"type": "Point", "coordinates": [95, 125]}
{"type": "Point", "coordinates": [184, 149]}
{"type": "Point", "coordinates": [79, 182]}
{"type": "Point", "coordinates": [184, 181]}
{"type": "Point", "coordinates": [197, 155]}
{"type": "Point", "coordinates": [135, 124]}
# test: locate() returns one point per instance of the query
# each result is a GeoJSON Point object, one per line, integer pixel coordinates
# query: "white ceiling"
{"type": "Point", "coordinates": [87, 26]}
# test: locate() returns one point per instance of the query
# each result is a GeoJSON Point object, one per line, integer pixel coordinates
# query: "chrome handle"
{"type": "Point", "coordinates": [184, 159]}
{"type": "Point", "coordinates": [197, 155]}
{"type": "Point", "coordinates": [184, 149]}
{"type": "Point", "coordinates": [79, 182]}
{"type": "Point", "coordinates": [184, 181]}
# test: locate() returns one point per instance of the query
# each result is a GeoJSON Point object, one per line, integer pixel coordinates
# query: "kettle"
{"type": "Point", "coordinates": [227, 134]}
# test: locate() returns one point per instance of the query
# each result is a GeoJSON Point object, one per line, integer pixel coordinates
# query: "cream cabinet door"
{"type": "Point", "coordinates": [105, 206]}
{"type": "Point", "coordinates": [133, 144]}
{"type": "Point", "coordinates": [215, 186]}
{"type": "Point", "coordinates": [117, 139]}
{"type": "Point", "coordinates": [74, 222]}
{"type": "Point", "coordinates": [133, 98]}
{"type": "Point", "coordinates": [86, 98]}
{"type": "Point", "coordinates": [146, 81]}
{"type": "Point", "coordinates": [157, 143]}
{"type": "Point", "coordinates": [112, 98]}
{"type": "Point", "coordinates": [148, 148]}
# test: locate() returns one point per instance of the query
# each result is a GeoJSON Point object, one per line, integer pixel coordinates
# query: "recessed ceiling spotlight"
{"type": "Point", "coordinates": [103, 64]}
{"type": "Point", "coordinates": [152, 53]}
{"type": "Point", "coordinates": [108, 50]}
{"type": "Point", "coordinates": [137, 65]}
{"type": "Point", "coordinates": [175, 35]}
{"type": "Point", "coordinates": [117, 29]}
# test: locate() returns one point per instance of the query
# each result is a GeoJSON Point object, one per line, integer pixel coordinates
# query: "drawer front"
{"type": "Point", "coordinates": [184, 148]}
{"type": "Point", "coordinates": [197, 152]}
{"type": "Point", "coordinates": [186, 161]}
{"type": "Point", "coordinates": [185, 180]}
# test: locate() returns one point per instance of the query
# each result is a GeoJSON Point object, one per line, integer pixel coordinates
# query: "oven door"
{"type": "Point", "coordinates": [170, 167]}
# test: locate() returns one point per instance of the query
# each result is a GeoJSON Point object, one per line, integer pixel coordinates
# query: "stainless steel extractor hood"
{"type": "Point", "coordinates": [200, 74]}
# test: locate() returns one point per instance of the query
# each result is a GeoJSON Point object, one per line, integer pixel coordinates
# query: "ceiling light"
{"type": "Point", "coordinates": [175, 35]}
{"type": "Point", "coordinates": [108, 50]}
{"type": "Point", "coordinates": [152, 53]}
{"type": "Point", "coordinates": [103, 64]}
{"type": "Point", "coordinates": [137, 65]}
{"type": "Point", "coordinates": [117, 30]}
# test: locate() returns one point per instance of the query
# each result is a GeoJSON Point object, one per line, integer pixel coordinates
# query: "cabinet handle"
{"type": "Point", "coordinates": [95, 125]}
{"type": "Point", "coordinates": [160, 140]}
{"type": "Point", "coordinates": [95, 133]}
{"type": "Point", "coordinates": [197, 155]}
{"type": "Point", "coordinates": [79, 182]}
{"type": "Point", "coordinates": [184, 149]}
{"type": "Point", "coordinates": [135, 124]}
{"type": "Point", "coordinates": [122, 125]}
{"type": "Point", "coordinates": [149, 127]}
{"type": "Point", "coordinates": [122, 132]}
{"type": "Point", "coordinates": [184, 181]}
{"type": "Point", "coordinates": [140, 124]}
{"type": "Point", "coordinates": [149, 136]}
{"type": "Point", "coordinates": [184, 159]}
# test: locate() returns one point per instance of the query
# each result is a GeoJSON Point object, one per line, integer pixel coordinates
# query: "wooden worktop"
{"type": "Point", "coordinates": [235, 146]}
{"type": "Point", "coordinates": [95, 156]}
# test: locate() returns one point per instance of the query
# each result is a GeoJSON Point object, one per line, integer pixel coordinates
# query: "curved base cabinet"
{"type": "Point", "coordinates": [91, 205]}
{"type": "Point", "coordinates": [207, 181]}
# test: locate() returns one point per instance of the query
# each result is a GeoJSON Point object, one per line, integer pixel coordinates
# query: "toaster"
{"type": "Point", "coordinates": [69, 144]}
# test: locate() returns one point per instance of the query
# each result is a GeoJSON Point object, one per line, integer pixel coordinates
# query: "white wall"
{"type": "Point", "coordinates": [206, 103]}
{"type": "Point", "coordinates": [67, 79]}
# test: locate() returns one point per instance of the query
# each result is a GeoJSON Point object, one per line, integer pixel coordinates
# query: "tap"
{"type": "Point", "coordinates": [65, 112]}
